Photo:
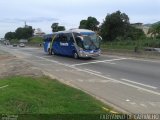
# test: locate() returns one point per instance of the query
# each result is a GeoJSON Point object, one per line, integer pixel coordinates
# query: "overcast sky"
{"type": "Point", "coordinates": [42, 13]}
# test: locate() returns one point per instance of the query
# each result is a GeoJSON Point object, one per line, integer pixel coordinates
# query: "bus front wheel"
{"type": "Point", "coordinates": [75, 55]}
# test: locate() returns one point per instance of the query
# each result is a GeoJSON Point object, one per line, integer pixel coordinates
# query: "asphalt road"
{"type": "Point", "coordinates": [128, 84]}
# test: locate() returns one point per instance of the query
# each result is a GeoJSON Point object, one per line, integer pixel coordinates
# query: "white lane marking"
{"type": "Point", "coordinates": [127, 100]}
{"type": "Point", "coordinates": [153, 61]}
{"type": "Point", "coordinates": [110, 63]}
{"type": "Point", "coordinates": [143, 105]}
{"type": "Point", "coordinates": [99, 61]}
{"type": "Point", "coordinates": [132, 103]}
{"type": "Point", "coordinates": [93, 71]}
{"type": "Point", "coordinates": [80, 80]}
{"type": "Point", "coordinates": [132, 58]}
{"type": "Point", "coordinates": [3, 86]}
{"type": "Point", "coordinates": [152, 104]}
{"type": "Point", "coordinates": [149, 86]}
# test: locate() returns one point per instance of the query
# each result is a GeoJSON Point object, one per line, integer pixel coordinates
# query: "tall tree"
{"type": "Point", "coordinates": [115, 25]}
{"type": "Point", "coordinates": [10, 35]}
{"type": "Point", "coordinates": [55, 27]}
{"type": "Point", "coordinates": [91, 23]}
{"type": "Point", "coordinates": [24, 33]}
{"type": "Point", "coordinates": [83, 24]}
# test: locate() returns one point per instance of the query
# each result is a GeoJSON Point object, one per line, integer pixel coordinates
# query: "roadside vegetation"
{"type": "Point", "coordinates": [142, 44]}
{"type": "Point", "coordinates": [35, 40]}
{"type": "Point", "coordinates": [37, 95]}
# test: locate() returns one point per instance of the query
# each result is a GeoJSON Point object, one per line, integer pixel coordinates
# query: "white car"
{"type": "Point", "coordinates": [21, 45]}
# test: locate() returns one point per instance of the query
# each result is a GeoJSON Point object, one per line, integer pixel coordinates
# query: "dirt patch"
{"type": "Point", "coordinates": [11, 66]}
{"type": "Point", "coordinates": [3, 57]}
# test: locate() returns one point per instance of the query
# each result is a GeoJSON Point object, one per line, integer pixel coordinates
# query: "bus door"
{"type": "Point", "coordinates": [64, 44]}
{"type": "Point", "coordinates": [56, 45]}
{"type": "Point", "coordinates": [70, 48]}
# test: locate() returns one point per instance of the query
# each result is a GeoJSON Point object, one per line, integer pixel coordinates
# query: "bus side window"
{"type": "Point", "coordinates": [56, 38]}
{"type": "Point", "coordinates": [63, 38]}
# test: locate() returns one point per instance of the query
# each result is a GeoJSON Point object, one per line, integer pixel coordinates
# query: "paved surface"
{"type": "Point", "coordinates": [129, 84]}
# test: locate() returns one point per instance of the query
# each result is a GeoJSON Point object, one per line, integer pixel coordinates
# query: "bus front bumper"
{"type": "Point", "coordinates": [89, 54]}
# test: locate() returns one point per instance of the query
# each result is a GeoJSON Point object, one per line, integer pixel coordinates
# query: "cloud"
{"type": "Point", "coordinates": [30, 20]}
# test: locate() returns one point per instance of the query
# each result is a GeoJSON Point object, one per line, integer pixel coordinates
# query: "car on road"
{"type": "Point", "coordinates": [14, 45]}
{"type": "Point", "coordinates": [21, 45]}
{"type": "Point", "coordinates": [152, 49]}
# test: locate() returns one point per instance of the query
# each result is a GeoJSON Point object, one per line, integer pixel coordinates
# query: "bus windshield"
{"type": "Point", "coordinates": [88, 42]}
{"type": "Point", "coordinates": [91, 42]}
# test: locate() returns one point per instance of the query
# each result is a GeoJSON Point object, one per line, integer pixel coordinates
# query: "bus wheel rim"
{"type": "Point", "coordinates": [75, 55]}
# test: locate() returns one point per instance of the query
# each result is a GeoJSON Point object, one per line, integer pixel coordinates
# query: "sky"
{"type": "Point", "coordinates": [69, 13]}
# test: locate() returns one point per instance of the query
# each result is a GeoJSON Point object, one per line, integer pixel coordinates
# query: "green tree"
{"type": "Point", "coordinates": [55, 27]}
{"type": "Point", "coordinates": [24, 33]}
{"type": "Point", "coordinates": [83, 24]}
{"type": "Point", "coordinates": [115, 25]}
{"type": "Point", "coordinates": [91, 23]}
{"type": "Point", "coordinates": [10, 35]}
{"type": "Point", "coordinates": [61, 28]}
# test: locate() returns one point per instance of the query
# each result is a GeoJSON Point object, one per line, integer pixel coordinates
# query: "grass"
{"type": "Point", "coordinates": [27, 95]}
{"type": "Point", "coordinates": [36, 40]}
{"type": "Point", "coordinates": [130, 44]}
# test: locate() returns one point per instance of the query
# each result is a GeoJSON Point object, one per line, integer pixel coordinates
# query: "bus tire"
{"type": "Point", "coordinates": [49, 52]}
{"type": "Point", "coordinates": [75, 55]}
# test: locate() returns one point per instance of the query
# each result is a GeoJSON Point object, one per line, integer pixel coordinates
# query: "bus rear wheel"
{"type": "Point", "coordinates": [49, 52]}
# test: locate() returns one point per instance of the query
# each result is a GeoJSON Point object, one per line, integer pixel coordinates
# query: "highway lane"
{"type": "Point", "coordinates": [127, 83]}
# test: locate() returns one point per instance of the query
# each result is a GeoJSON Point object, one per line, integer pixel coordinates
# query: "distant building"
{"type": "Point", "coordinates": [142, 27]}
{"type": "Point", "coordinates": [137, 25]}
{"type": "Point", "coordinates": [38, 32]}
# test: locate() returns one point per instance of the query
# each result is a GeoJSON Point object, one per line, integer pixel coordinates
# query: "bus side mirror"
{"type": "Point", "coordinates": [99, 38]}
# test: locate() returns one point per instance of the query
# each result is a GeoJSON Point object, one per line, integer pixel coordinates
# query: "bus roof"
{"type": "Point", "coordinates": [84, 31]}
{"type": "Point", "coordinates": [80, 30]}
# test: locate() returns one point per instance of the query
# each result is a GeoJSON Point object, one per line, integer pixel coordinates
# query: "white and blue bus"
{"type": "Point", "coordinates": [75, 42]}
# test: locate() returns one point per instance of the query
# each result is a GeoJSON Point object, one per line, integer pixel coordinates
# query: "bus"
{"type": "Point", "coordinates": [78, 43]}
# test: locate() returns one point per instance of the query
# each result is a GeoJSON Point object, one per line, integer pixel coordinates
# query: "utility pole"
{"type": "Point", "coordinates": [25, 24]}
